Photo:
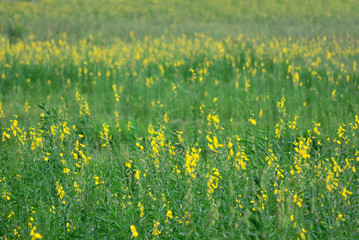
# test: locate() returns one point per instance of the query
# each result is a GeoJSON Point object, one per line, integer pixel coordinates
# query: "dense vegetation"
{"type": "Point", "coordinates": [179, 119]}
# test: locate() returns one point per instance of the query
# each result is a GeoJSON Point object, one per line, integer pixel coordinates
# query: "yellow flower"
{"type": "Point", "coordinates": [35, 235]}
{"type": "Point", "coordinates": [155, 230]}
{"type": "Point", "coordinates": [6, 195]}
{"type": "Point", "coordinates": [340, 216]}
{"type": "Point", "coordinates": [137, 174]}
{"type": "Point", "coordinates": [316, 125]}
{"type": "Point", "coordinates": [165, 118]}
{"type": "Point", "coordinates": [66, 171]}
{"type": "Point", "coordinates": [252, 121]}
{"type": "Point", "coordinates": [230, 144]}
{"type": "Point", "coordinates": [192, 158]}
{"type": "Point", "coordinates": [215, 143]}
{"type": "Point", "coordinates": [297, 200]}
{"type": "Point", "coordinates": [141, 209]}
{"type": "Point", "coordinates": [169, 214]}
{"type": "Point", "coordinates": [345, 192]}
{"type": "Point", "coordinates": [11, 213]}
{"type": "Point", "coordinates": [134, 231]}
{"type": "Point", "coordinates": [52, 209]}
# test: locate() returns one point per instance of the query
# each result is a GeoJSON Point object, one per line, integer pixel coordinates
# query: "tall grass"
{"type": "Point", "coordinates": [179, 136]}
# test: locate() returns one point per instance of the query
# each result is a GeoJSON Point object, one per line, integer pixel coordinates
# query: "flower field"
{"type": "Point", "coordinates": [158, 122]}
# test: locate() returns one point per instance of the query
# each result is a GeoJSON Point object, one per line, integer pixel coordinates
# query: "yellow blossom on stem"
{"type": "Point", "coordinates": [252, 121]}
{"type": "Point", "coordinates": [134, 231]}
{"type": "Point", "coordinates": [34, 235]}
{"type": "Point", "coordinates": [155, 230]}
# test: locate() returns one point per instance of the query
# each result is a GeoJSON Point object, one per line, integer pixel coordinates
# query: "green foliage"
{"type": "Point", "coordinates": [119, 121]}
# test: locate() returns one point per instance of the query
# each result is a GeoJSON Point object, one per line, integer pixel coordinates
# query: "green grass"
{"type": "Point", "coordinates": [110, 20]}
{"type": "Point", "coordinates": [236, 120]}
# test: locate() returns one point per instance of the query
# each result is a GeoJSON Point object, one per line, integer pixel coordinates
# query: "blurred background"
{"type": "Point", "coordinates": [111, 19]}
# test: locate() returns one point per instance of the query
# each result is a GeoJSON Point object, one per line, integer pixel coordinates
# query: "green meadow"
{"type": "Point", "coordinates": [179, 119]}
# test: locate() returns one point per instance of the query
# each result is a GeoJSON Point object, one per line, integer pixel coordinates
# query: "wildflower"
{"type": "Point", "coordinates": [127, 164]}
{"type": "Point", "coordinates": [213, 119]}
{"type": "Point", "coordinates": [141, 209]}
{"type": "Point", "coordinates": [77, 188]}
{"type": "Point", "coordinates": [252, 121]}
{"type": "Point", "coordinates": [66, 171]}
{"type": "Point", "coordinates": [281, 106]}
{"type": "Point", "coordinates": [334, 94]}
{"type": "Point", "coordinates": [296, 78]}
{"type": "Point", "coordinates": [247, 84]}
{"type": "Point", "coordinates": [35, 235]}
{"type": "Point", "coordinates": [230, 147]}
{"type": "Point", "coordinates": [11, 213]}
{"type": "Point", "coordinates": [6, 195]}
{"type": "Point", "coordinates": [212, 181]}
{"type": "Point", "coordinates": [303, 147]}
{"type": "Point", "coordinates": [52, 209]}
{"type": "Point", "coordinates": [176, 170]}
{"type": "Point", "coordinates": [117, 97]}
{"type": "Point", "coordinates": [155, 230]}
{"type": "Point", "coordinates": [16, 232]}
{"type": "Point", "coordinates": [98, 181]}
{"type": "Point", "coordinates": [240, 159]}
{"type": "Point", "coordinates": [260, 113]}
{"type": "Point", "coordinates": [105, 135]}
{"type": "Point", "coordinates": [302, 233]}
{"type": "Point", "coordinates": [134, 231]}
{"type": "Point", "coordinates": [84, 107]}
{"type": "Point", "coordinates": [192, 158]}
{"type": "Point", "coordinates": [345, 192]}
{"type": "Point", "coordinates": [279, 129]}
{"type": "Point", "coordinates": [293, 125]}
{"type": "Point", "coordinates": [27, 107]}
{"type": "Point", "coordinates": [169, 214]}
{"type": "Point", "coordinates": [230, 144]}
{"type": "Point", "coordinates": [166, 118]}
{"type": "Point", "coordinates": [60, 190]}
{"type": "Point", "coordinates": [2, 115]}
{"type": "Point", "coordinates": [297, 200]}
{"type": "Point", "coordinates": [151, 195]}
{"type": "Point", "coordinates": [215, 143]}
{"type": "Point", "coordinates": [137, 174]}
{"type": "Point", "coordinates": [316, 125]}
{"type": "Point", "coordinates": [340, 216]}
{"type": "Point", "coordinates": [69, 227]}
{"type": "Point", "coordinates": [180, 136]}
{"type": "Point", "coordinates": [331, 182]}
